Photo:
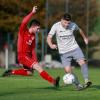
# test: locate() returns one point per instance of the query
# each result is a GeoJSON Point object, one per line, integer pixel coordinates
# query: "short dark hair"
{"type": "Point", "coordinates": [66, 16]}
{"type": "Point", "coordinates": [34, 22]}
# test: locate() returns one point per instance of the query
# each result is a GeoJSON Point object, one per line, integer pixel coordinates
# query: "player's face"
{"type": "Point", "coordinates": [35, 29]}
{"type": "Point", "coordinates": [65, 23]}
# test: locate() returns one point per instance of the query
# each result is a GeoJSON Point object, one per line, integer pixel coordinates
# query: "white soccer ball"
{"type": "Point", "coordinates": [68, 78]}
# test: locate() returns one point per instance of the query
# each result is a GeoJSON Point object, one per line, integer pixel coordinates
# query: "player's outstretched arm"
{"type": "Point", "coordinates": [34, 9]}
{"type": "Point", "coordinates": [83, 36]}
{"type": "Point", "coordinates": [28, 17]}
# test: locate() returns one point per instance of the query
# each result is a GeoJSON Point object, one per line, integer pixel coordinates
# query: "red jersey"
{"type": "Point", "coordinates": [26, 44]}
{"type": "Point", "coordinates": [26, 41]}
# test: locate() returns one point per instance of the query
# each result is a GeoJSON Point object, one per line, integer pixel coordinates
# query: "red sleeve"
{"type": "Point", "coordinates": [25, 22]}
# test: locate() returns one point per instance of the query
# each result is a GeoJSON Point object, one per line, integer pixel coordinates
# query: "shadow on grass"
{"type": "Point", "coordinates": [50, 88]}
{"type": "Point", "coordinates": [41, 90]}
{"type": "Point", "coordinates": [7, 93]}
{"type": "Point", "coordinates": [29, 90]}
{"type": "Point", "coordinates": [95, 86]}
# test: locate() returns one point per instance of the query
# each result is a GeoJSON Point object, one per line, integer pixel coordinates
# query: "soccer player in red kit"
{"type": "Point", "coordinates": [26, 50]}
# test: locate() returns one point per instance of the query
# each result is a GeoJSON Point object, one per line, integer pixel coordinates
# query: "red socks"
{"type": "Point", "coordinates": [47, 77]}
{"type": "Point", "coordinates": [20, 72]}
{"type": "Point", "coordinates": [43, 74]}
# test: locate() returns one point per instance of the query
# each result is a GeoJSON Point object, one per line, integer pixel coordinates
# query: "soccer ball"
{"type": "Point", "coordinates": [68, 78]}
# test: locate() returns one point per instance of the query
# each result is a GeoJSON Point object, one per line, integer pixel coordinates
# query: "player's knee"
{"type": "Point", "coordinates": [81, 62]}
{"type": "Point", "coordinates": [37, 67]}
{"type": "Point", "coordinates": [68, 69]}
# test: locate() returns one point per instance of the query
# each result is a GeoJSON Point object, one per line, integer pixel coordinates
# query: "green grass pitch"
{"type": "Point", "coordinates": [34, 88]}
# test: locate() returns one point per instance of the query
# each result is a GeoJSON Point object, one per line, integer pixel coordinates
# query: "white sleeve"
{"type": "Point", "coordinates": [76, 27]}
{"type": "Point", "coordinates": [53, 30]}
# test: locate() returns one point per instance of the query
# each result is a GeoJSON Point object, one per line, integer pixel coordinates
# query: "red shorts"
{"type": "Point", "coordinates": [27, 59]}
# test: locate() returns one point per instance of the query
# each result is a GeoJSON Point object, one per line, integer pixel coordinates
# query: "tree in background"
{"type": "Point", "coordinates": [11, 14]}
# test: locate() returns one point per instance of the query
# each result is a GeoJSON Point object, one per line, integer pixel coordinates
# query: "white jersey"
{"type": "Point", "coordinates": [65, 37]}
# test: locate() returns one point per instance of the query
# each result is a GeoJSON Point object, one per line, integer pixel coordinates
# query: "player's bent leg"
{"type": "Point", "coordinates": [76, 83]}
{"type": "Point", "coordinates": [84, 70]}
{"type": "Point", "coordinates": [33, 63]}
{"type": "Point", "coordinates": [46, 76]}
{"type": "Point", "coordinates": [23, 72]}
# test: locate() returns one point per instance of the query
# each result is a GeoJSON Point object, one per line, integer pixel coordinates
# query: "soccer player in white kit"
{"type": "Point", "coordinates": [67, 45]}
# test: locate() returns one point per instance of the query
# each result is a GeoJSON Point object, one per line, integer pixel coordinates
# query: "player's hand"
{"type": "Point", "coordinates": [34, 9]}
{"type": "Point", "coordinates": [86, 41]}
{"type": "Point", "coordinates": [53, 46]}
